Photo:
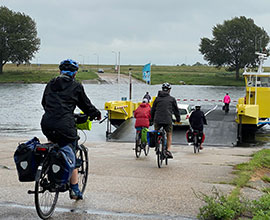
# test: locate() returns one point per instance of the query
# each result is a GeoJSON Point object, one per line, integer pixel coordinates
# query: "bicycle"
{"type": "Point", "coordinates": [139, 145]}
{"type": "Point", "coordinates": [46, 191]}
{"type": "Point", "coordinates": [161, 147]}
{"type": "Point", "coordinates": [197, 140]}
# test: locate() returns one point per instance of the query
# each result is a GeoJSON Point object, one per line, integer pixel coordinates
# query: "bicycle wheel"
{"type": "Point", "coordinates": [159, 153]}
{"type": "Point", "coordinates": [196, 144]}
{"type": "Point", "coordinates": [45, 195]}
{"type": "Point", "coordinates": [82, 164]}
{"type": "Point", "coordinates": [138, 145]}
{"type": "Point", "coordinates": [146, 149]}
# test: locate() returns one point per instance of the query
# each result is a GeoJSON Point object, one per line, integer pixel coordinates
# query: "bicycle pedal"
{"type": "Point", "coordinates": [31, 192]}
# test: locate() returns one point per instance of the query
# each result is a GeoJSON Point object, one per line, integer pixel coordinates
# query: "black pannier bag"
{"type": "Point", "coordinates": [25, 160]}
{"type": "Point", "coordinates": [200, 137]}
{"type": "Point", "coordinates": [62, 164]}
{"type": "Point", "coordinates": [189, 136]}
{"type": "Point", "coordinates": [151, 138]}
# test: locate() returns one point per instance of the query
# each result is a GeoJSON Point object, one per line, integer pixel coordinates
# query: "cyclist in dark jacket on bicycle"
{"type": "Point", "coordinates": [197, 120]}
{"type": "Point", "coordinates": [60, 98]}
{"type": "Point", "coordinates": [161, 113]}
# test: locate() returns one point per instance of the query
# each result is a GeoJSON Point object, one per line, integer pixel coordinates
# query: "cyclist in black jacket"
{"type": "Point", "coordinates": [60, 98]}
{"type": "Point", "coordinates": [161, 113]}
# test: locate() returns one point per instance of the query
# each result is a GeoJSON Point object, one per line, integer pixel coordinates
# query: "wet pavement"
{"type": "Point", "coordinates": [221, 128]}
{"type": "Point", "coordinates": [123, 187]}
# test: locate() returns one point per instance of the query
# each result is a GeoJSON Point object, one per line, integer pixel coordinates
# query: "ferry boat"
{"type": "Point", "coordinates": [253, 110]}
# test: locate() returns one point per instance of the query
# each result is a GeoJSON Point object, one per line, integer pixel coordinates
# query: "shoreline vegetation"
{"type": "Point", "coordinates": [176, 75]}
{"type": "Point", "coordinates": [254, 174]}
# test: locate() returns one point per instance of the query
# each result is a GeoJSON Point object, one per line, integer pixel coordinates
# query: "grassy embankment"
{"type": "Point", "coordinates": [36, 74]}
{"type": "Point", "coordinates": [190, 75]}
{"type": "Point", "coordinates": [234, 206]}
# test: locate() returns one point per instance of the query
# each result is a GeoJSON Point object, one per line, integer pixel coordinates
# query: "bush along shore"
{"type": "Point", "coordinates": [234, 206]}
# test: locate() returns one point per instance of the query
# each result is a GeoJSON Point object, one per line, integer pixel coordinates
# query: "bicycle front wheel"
{"type": "Point", "coordinates": [46, 195]}
{"type": "Point", "coordinates": [82, 164]}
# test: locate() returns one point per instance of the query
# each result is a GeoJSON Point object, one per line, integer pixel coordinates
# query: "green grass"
{"type": "Point", "coordinates": [37, 74]}
{"type": "Point", "coordinates": [177, 75]}
{"type": "Point", "coordinates": [232, 206]}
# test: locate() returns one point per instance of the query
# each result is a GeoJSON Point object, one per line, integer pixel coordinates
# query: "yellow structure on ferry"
{"type": "Point", "coordinates": [119, 112]}
{"type": "Point", "coordinates": [253, 110]}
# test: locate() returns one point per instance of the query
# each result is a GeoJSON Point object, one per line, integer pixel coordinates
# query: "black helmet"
{"type": "Point", "coordinates": [197, 107]}
{"type": "Point", "coordinates": [166, 86]}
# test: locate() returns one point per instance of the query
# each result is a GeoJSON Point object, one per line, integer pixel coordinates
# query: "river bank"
{"type": "Point", "coordinates": [176, 75]}
{"type": "Point", "coordinates": [123, 187]}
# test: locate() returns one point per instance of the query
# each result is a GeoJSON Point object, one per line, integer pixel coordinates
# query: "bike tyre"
{"type": "Point", "coordinates": [83, 169]}
{"type": "Point", "coordinates": [159, 154]}
{"type": "Point", "coordinates": [137, 146]}
{"type": "Point", "coordinates": [45, 201]}
{"type": "Point", "coordinates": [196, 145]}
{"type": "Point", "coordinates": [146, 149]}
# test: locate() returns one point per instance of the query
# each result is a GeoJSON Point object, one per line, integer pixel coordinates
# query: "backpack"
{"type": "Point", "coordinates": [151, 138]}
{"type": "Point", "coordinates": [62, 164]}
{"type": "Point", "coordinates": [25, 160]}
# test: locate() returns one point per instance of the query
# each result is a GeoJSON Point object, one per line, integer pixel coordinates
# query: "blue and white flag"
{"type": "Point", "coordinates": [147, 72]}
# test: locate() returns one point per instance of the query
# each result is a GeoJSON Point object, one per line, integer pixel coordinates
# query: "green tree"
{"type": "Point", "coordinates": [18, 37]}
{"type": "Point", "coordinates": [234, 44]}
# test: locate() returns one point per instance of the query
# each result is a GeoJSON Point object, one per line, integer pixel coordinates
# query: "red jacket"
{"type": "Point", "coordinates": [142, 115]}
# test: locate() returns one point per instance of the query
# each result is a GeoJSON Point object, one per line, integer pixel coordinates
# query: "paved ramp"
{"type": "Point", "coordinates": [220, 131]}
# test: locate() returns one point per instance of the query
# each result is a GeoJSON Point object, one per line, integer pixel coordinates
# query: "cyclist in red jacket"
{"type": "Point", "coordinates": [142, 115]}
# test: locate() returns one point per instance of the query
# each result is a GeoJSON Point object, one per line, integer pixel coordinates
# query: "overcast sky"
{"type": "Point", "coordinates": [158, 31]}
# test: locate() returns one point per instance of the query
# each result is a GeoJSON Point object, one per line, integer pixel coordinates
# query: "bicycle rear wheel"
{"type": "Point", "coordinates": [196, 144]}
{"type": "Point", "coordinates": [146, 149]}
{"type": "Point", "coordinates": [46, 195]}
{"type": "Point", "coordinates": [82, 164]}
{"type": "Point", "coordinates": [138, 145]}
{"type": "Point", "coordinates": [159, 153]}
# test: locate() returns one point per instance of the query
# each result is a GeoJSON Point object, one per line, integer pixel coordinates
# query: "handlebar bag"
{"type": "Point", "coordinates": [151, 138]}
{"type": "Point", "coordinates": [62, 164]}
{"type": "Point", "coordinates": [25, 160]}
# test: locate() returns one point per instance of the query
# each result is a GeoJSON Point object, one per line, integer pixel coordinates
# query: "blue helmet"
{"type": "Point", "coordinates": [69, 67]}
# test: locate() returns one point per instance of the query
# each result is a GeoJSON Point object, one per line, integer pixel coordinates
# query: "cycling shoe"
{"type": "Point", "coordinates": [169, 154]}
{"type": "Point", "coordinates": [75, 193]}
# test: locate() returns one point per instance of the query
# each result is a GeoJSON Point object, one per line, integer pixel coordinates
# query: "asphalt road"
{"type": "Point", "coordinates": [123, 187]}
{"type": "Point", "coordinates": [221, 129]}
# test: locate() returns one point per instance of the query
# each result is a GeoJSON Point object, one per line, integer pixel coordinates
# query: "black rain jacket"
{"type": "Point", "coordinates": [60, 98]}
{"type": "Point", "coordinates": [163, 108]}
{"type": "Point", "coordinates": [197, 120]}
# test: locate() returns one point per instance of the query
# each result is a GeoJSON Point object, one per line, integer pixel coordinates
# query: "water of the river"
{"type": "Point", "coordinates": [21, 110]}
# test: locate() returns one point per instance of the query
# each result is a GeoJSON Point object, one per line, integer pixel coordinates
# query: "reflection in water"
{"type": "Point", "coordinates": [21, 109]}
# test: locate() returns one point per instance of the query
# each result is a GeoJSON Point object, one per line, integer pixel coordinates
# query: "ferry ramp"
{"type": "Point", "coordinates": [221, 128]}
